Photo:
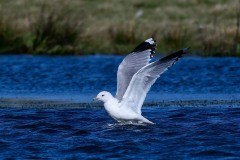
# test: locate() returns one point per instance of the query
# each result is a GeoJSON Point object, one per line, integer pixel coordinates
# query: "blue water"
{"type": "Point", "coordinates": [194, 131]}
{"type": "Point", "coordinates": [81, 78]}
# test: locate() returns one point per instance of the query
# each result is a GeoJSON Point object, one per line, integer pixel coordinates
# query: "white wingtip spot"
{"type": "Point", "coordinates": [150, 40]}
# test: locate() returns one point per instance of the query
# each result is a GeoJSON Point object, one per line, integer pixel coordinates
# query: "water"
{"type": "Point", "coordinates": [81, 78]}
{"type": "Point", "coordinates": [195, 106]}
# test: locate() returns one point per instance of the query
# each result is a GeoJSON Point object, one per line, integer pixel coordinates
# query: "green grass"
{"type": "Point", "coordinates": [66, 27]}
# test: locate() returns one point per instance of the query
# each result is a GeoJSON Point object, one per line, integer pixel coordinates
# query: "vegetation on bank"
{"type": "Point", "coordinates": [66, 27]}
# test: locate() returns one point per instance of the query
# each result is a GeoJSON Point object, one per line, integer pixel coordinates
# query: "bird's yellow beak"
{"type": "Point", "coordinates": [95, 99]}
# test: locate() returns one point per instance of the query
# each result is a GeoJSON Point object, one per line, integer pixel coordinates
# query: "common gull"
{"type": "Point", "coordinates": [135, 77]}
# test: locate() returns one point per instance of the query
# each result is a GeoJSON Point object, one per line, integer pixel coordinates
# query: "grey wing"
{"type": "Point", "coordinates": [137, 59]}
{"type": "Point", "coordinates": [145, 78]}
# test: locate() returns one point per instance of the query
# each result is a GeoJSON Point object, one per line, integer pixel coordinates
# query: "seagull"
{"type": "Point", "coordinates": [135, 77]}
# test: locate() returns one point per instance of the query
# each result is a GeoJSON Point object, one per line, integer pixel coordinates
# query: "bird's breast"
{"type": "Point", "coordinates": [118, 112]}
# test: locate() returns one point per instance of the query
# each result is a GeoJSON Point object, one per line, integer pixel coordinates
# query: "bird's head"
{"type": "Point", "coordinates": [103, 96]}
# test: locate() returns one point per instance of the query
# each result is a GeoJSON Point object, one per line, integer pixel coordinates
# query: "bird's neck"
{"type": "Point", "coordinates": [111, 104]}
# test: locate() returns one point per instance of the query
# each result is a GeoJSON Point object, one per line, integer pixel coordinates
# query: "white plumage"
{"type": "Point", "coordinates": [134, 79]}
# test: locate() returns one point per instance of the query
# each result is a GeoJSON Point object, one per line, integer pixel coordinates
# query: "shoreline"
{"type": "Point", "coordinates": [43, 104]}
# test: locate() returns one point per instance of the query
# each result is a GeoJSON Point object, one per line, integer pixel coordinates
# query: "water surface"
{"type": "Point", "coordinates": [46, 110]}
{"type": "Point", "coordinates": [79, 78]}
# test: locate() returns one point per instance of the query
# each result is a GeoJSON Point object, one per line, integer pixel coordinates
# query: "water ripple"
{"type": "Point", "coordinates": [45, 113]}
{"type": "Point", "coordinates": [211, 132]}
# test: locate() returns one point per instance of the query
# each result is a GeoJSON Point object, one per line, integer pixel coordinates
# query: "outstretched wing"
{"type": "Point", "coordinates": [144, 79]}
{"type": "Point", "coordinates": [137, 59]}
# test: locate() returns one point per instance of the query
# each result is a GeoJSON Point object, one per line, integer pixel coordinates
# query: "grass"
{"type": "Point", "coordinates": [66, 27]}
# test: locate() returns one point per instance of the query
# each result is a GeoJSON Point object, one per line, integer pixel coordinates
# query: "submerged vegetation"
{"type": "Point", "coordinates": [64, 27]}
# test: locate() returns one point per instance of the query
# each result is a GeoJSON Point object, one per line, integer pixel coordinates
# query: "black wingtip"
{"type": "Point", "coordinates": [146, 45]}
{"type": "Point", "coordinates": [176, 55]}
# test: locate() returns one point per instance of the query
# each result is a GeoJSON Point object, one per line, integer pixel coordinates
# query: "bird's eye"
{"type": "Point", "coordinates": [102, 95]}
